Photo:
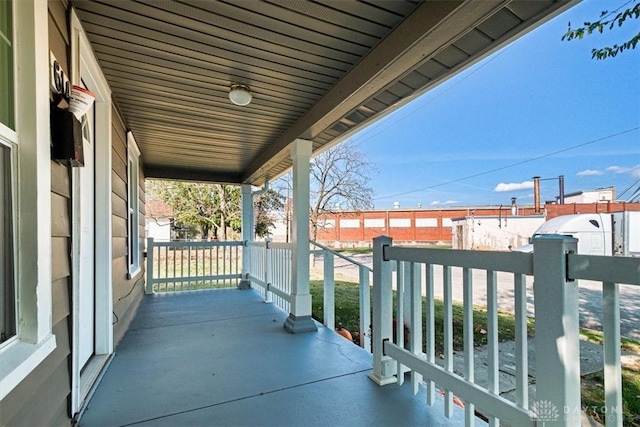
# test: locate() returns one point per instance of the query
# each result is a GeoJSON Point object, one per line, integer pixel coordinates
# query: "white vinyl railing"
{"type": "Point", "coordinates": [270, 269]}
{"type": "Point", "coordinates": [555, 268]}
{"type": "Point", "coordinates": [187, 266]}
{"type": "Point", "coordinates": [329, 310]}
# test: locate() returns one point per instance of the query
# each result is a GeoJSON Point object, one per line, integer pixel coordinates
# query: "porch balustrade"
{"type": "Point", "coordinates": [364, 288]}
{"type": "Point", "coordinates": [411, 348]}
{"type": "Point", "coordinates": [270, 270]}
{"type": "Point", "coordinates": [555, 269]}
{"type": "Point", "coordinates": [186, 266]}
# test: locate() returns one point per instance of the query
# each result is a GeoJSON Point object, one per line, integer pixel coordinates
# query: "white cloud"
{"type": "Point", "coordinates": [590, 172]}
{"type": "Point", "coordinates": [513, 186]}
{"type": "Point", "coordinates": [634, 171]}
{"type": "Point", "coordinates": [435, 202]}
{"type": "Point", "coordinates": [451, 202]}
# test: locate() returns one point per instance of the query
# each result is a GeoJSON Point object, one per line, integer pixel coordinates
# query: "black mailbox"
{"type": "Point", "coordinates": [66, 137]}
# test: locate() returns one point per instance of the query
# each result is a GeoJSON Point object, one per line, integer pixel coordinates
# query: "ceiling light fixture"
{"type": "Point", "coordinates": [240, 94]}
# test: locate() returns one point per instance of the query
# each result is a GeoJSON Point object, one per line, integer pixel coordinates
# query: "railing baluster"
{"type": "Point", "coordinates": [522, 353]}
{"type": "Point", "coordinates": [448, 335]}
{"type": "Point", "coordinates": [329, 291]}
{"type": "Point", "coordinates": [467, 319]}
{"type": "Point", "coordinates": [492, 339]}
{"type": "Point", "coordinates": [188, 270]}
{"type": "Point", "coordinates": [217, 265]}
{"type": "Point", "coordinates": [399, 319]}
{"type": "Point", "coordinates": [612, 372]}
{"type": "Point", "coordinates": [197, 269]}
{"type": "Point", "coordinates": [267, 270]}
{"type": "Point", "coordinates": [174, 275]}
{"type": "Point", "coordinates": [149, 283]}
{"type": "Point", "coordinates": [415, 319]}
{"type": "Point", "coordinates": [430, 329]}
{"type": "Point", "coordinates": [365, 309]}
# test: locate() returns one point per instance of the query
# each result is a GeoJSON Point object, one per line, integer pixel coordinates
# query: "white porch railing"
{"type": "Point", "coordinates": [187, 266]}
{"type": "Point", "coordinates": [555, 268]}
{"type": "Point", "coordinates": [329, 310]}
{"type": "Point", "coordinates": [270, 269]}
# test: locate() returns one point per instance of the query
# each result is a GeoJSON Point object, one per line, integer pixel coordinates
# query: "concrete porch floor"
{"type": "Point", "coordinates": [223, 358]}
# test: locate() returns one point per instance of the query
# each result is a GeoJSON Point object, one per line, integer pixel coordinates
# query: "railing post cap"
{"type": "Point", "coordinates": [548, 237]}
{"type": "Point", "coordinates": [382, 240]}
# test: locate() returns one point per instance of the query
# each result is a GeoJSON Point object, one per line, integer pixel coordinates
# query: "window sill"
{"type": "Point", "coordinates": [134, 273]}
{"type": "Point", "coordinates": [19, 359]}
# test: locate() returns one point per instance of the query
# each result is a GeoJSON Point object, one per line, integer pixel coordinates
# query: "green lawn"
{"type": "Point", "coordinates": [347, 312]}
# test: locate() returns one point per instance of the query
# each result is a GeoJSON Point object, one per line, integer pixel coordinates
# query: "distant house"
{"type": "Point", "coordinates": [159, 221]}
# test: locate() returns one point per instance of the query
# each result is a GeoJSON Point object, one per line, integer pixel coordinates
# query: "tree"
{"type": "Point", "coordinates": [265, 205]}
{"type": "Point", "coordinates": [339, 181]}
{"type": "Point", "coordinates": [213, 208]}
{"type": "Point", "coordinates": [608, 21]}
{"type": "Point", "coordinates": [229, 213]}
{"type": "Point", "coordinates": [207, 207]}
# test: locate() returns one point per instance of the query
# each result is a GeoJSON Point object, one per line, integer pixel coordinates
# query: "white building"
{"type": "Point", "coordinates": [494, 232]}
{"type": "Point", "coordinates": [159, 221]}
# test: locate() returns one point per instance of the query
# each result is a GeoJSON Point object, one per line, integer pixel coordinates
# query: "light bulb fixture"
{"type": "Point", "coordinates": [240, 94]}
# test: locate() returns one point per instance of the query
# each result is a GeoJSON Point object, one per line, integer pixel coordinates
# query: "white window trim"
{"type": "Point", "coordinates": [34, 340]}
{"type": "Point", "coordinates": [133, 204]}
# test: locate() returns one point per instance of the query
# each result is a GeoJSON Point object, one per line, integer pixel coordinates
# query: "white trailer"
{"type": "Point", "coordinates": [598, 234]}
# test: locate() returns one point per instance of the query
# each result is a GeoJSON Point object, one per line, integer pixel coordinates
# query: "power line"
{"type": "Point", "coordinates": [510, 165]}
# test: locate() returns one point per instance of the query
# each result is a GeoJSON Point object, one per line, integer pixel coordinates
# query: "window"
{"type": "Point", "coordinates": [133, 181]}
{"type": "Point", "coordinates": [400, 222]}
{"type": "Point", "coordinates": [6, 65]}
{"type": "Point", "coordinates": [25, 186]}
{"type": "Point", "coordinates": [349, 223]}
{"type": "Point", "coordinates": [7, 254]}
{"type": "Point", "coordinates": [7, 166]}
{"type": "Point", "coordinates": [426, 222]}
{"type": "Point", "coordinates": [374, 222]}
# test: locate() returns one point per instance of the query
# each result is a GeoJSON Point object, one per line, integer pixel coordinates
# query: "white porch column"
{"type": "Point", "coordinates": [299, 319]}
{"type": "Point", "coordinates": [247, 234]}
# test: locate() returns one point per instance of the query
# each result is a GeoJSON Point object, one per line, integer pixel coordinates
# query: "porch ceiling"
{"type": "Point", "coordinates": [317, 70]}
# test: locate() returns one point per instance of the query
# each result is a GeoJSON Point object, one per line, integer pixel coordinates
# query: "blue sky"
{"type": "Point", "coordinates": [533, 98]}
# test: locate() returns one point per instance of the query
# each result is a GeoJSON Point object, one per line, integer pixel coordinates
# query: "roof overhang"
{"type": "Point", "coordinates": [317, 70]}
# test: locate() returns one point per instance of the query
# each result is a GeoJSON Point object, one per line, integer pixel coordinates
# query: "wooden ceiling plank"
{"type": "Point", "coordinates": [252, 26]}
{"type": "Point", "coordinates": [133, 60]}
{"type": "Point", "coordinates": [232, 55]}
{"type": "Point", "coordinates": [218, 100]}
{"type": "Point", "coordinates": [299, 25]}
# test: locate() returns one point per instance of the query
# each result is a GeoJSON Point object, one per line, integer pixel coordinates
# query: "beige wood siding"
{"type": "Point", "coordinates": [42, 398]}
{"type": "Point", "coordinates": [127, 293]}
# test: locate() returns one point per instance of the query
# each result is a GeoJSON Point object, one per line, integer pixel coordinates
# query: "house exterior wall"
{"type": "Point", "coordinates": [127, 292]}
{"type": "Point", "coordinates": [159, 229]}
{"type": "Point", "coordinates": [43, 396]}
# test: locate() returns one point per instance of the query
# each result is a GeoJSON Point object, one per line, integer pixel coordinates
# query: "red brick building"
{"type": "Point", "coordinates": [433, 226]}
